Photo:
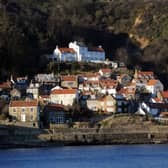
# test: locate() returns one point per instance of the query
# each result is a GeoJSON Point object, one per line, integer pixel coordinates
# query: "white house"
{"type": "Point", "coordinates": [34, 90]}
{"type": "Point", "coordinates": [154, 86]}
{"type": "Point", "coordinates": [64, 96]}
{"type": "Point", "coordinates": [87, 54]}
{"type": "Point", "coordinates": [65, 54]}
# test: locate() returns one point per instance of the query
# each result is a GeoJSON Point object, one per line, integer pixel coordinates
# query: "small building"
{"type": "Point", "coordinates": [92, 105]}
{"type": "Point", "coordinates": [124, 79]}
{"type": "Point", "coordinates": [163, 96]}
{"type": "Point", "coordinates": [87, 54]}
{"type": "Point", "coordinates": [69, 81]}
{"type": "Point", "coordinates": [106, 72]}
{"type": "Point", "coordinates": [144, 75]}
{"type": "Point", "coordinates": [26, 111]}
{"type": "Point", "coordinates": [65, 54]}
{"type": "Point", "coordinates": [5, 86]}
{"type": "Point", "coordinates": [107, 104]}
{"type": "Point", "coordinates": [34, 90]}
{"type": "Point", "coordinates": [21, 83]}
{"type": "Point", "coordinates": [122, 104]}
{"type": "Point", "coordinates": [91, 76]}
{"type": "Point", "coordinates": [64, 96]}
{"type": "Point", "coordinates": [54, 116]}
{"type": "Point", "coordinates": [154, 86]}
{"type": "Point", "coordinates": [15, 94]}
{"type": "Point", "coordinates": [108, 86]}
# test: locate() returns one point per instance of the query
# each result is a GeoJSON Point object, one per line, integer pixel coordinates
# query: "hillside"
{"type": "Point", "coordinates": [135, 32]}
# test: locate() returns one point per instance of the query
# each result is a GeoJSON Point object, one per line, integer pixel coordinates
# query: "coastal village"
{"type": "Point", "coordinates": [81, 100]}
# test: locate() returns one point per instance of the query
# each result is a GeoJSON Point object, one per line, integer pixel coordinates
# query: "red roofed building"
{"type": "Point", "coordinates": [163, 96]}
{"type": "Point", "coordinates": [91, 76]}
{"type": "Point", "coordinates": [69, 81]}
{"type": "Point", "coordinates": [128, 93]}
{"type": "Point", "coordinates": [144, 75]}
{"type": "Point", "coordinates": [87, 54]}
{"type": "Point", "coordinates": [108, 86]}
{"type": "Point", "coordinates": [5, 86]}
{"type": "Point", "coordinates": [24, 110]}
{"type": "Point", "coordinates": [154, 86]}
{"type": "Point", "coordinates": [64, 96]}
{"type": "Point", "coordinates": [65, 54]}
{"type": "Point", "coordinates": [106, 72]}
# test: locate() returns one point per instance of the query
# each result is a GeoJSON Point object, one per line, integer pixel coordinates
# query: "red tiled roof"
{"type": "Point", "coordinates": [64, 91]}
{"type": "Point", "coordinates": [68, 78]}
{"type": "Point", "coordinates": [23, 103]}
{"type": "Point", "coordinates": [152, 82]}
{"type": "Point", "coordinates": [126, 91]}
{"type": "Point", "coordinates": [164, 94]}
{"type": "Point", "coordinates": [145, 73]}
{"type": "Point", "coordinates": [91, 82]}
{"type": "Point", "coordinates": [89, 75]}
{"type": "Point", "coordinates": [157, 99]}
{"type": "Point", "coordinates": [67, 50]}
{"type": "Point", "coordinates": [97, 49]}
{"type": "Point", "coordinates": [163, 114]}
{"type": "Point", "coordinates": [106, 70]}
{"type": "Point", "coordinates": [108, 83]}
{"type": "Point", "coordinates": [5, 85]}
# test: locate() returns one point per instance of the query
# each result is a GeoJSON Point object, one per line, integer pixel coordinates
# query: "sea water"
{"type": "Point", "coordinates": [114, 156]}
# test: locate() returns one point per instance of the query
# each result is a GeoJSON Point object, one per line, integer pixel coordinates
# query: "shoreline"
{"type": "Point", "coordinates": [13, 138]}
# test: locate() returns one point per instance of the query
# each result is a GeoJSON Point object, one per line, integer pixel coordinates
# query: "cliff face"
{"type": "Point", "coordinates": [31, 28]}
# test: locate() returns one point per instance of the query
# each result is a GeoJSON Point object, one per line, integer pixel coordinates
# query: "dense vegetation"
{"type": "Point", "coordinates": [135, 32]}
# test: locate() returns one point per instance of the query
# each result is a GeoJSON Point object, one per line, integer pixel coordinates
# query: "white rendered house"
{"type": "Point", "coordinates": [65, 54]}
{"type": "Point", "coordinates": [87, 54]}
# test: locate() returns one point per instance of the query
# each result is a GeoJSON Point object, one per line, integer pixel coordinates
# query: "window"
{"type": "Point", "coordinates": [14, 110]}
{"type": "Point", "coordinates": [31, 118]}
{"type": "Point", "coordinates": [31, 109]}
{"type": "Point", "coordinates": [23, 110]}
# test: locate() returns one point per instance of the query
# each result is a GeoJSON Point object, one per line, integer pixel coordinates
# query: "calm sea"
{"type": "Point", "coordinates": [135, 156]}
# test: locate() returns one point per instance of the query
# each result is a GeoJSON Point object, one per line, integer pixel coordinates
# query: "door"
{"type": "Point", "coordinates": [23, 117]}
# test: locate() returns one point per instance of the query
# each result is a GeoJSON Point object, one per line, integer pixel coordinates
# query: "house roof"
{"type": "Point", "coordinates": [164, 94]}
{"type": "Point", "coordinates": [108, 83]}
{"type": "Point", "coordinates": [64, 91]}
{"type": "Point", "coordinates": [152, 82]}
{"type": "Point", "coordinates": [157, 100]}
{"type": "Point", "coordinates": [23, 103]}
{"type": "Point", "coordinates": [68, 78]}
{"type": "Point", "coordinates": [5, 85]}
{"type": "Point", "coordinates": [163, 114]}
{"type": "Point", "coordinates": [142, 73]}
{"type": "Point", "coordinates": [90, 75]}
{"type": "Point", "coordinates": [105, 70]}
{"type": "Point", "coordinates": [57, 107]}
{"type": "Point", "coordinates": [67, 50]}
{"type": "Point", "coordinates": [97, 49]}
{"type": "Point", "coordinates": [127, 91]}
{"type": "Point", "coordinates": [96, 82]}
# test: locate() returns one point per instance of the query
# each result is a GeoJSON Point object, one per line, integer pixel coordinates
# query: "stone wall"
{"type": "Point", "coordinates": [26, 137]}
